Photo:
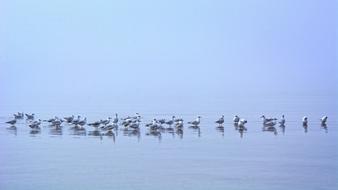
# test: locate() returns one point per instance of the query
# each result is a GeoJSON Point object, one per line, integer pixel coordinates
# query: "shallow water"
{"type": "Point", "coordinates": [193, 159]}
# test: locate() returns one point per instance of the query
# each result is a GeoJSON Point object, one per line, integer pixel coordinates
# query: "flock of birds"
{"type": "Point", "coordinates": [133, 123]}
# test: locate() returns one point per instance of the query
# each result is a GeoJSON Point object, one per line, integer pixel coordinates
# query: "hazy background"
{"type": "Point", "coordinates": [82, 55]}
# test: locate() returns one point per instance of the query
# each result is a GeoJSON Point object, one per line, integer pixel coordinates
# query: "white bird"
{"type": "Point", "coordinates": [268, 121]}
{"type": "Point", "coordinates": [196, 122]}
{"type": "Point", "coordinates": [69, 119]}
{"type": "Point", "coordinates": [82, 122]}
{"type": "Point", "coordinates": [305, 121]}
{"type": "Point", "coordinates": [220, 121]}
{"type": "Point", "coordinates": [242, 122]}
{"type": "Point", "coordinates": [236, 119]}
{"type": "Point", "coordinates": [323, 120]}
{"type": "Point", "coordinates": [35, 124]}
{"type": "Point", "coordinates": [106, 122]}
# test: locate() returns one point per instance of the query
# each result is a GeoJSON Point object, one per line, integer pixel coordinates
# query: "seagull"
{"type": "Point", "coordinates": [106, 122]}
{"type": "Point", "coordinates": [18, 115]}
{"type": "Point", "coordinates": [236, 119]}
{"type": "Point", "coordinates": [305, 121]}
{"type": "Point", "coordinates": [178, 120]}
{"type": "Point", "coordinates": [83, 122]}
{"type": "Point", "coordinates": [323, 120]}
{"type": "Point", "coordinates": [30, 116]}
{"type": "Point", "coordinates": [196, 122]}
{"type": "Point", "coordinates": [35, 124]}
{"type": "Point", "coordinates": [282, 121]}
{"type": "Point", "coordinates": [268, 121]}
{"type": "Point", "coordinates": [76, 121]}
{"type": "Point", "coordinates": [179, 125]}
{"type": "Point", "coordinates": [69, 119]}
{"type": "Point", "coordinates": [220, 121]}
{"type": "Point", "coordinates": [161, 121]}
{"type": "Point", "coordinates": [170, 122]}
{"type": "Point", "coordinates": [116, 119]}
{"type": "Point", "coordinates": [95, 124]}
{"type": "Point", "coordinates": [12, 122]}
{"type": "Point", "coordinates": [242, 122]}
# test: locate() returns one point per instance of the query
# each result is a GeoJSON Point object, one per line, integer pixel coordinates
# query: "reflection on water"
{"type": "Point", "coordinates": [12, 130]}
{"type": "Point", "coordinates": [282, 127]}
{"type": "Point", "coordinates": [34, 132]}
{"type": "Point", "coordinates": [55, 131]}
{"type": "Point", "coordinates": [220, 129]}
{"type": "Point", "coordinates": [324, 126]}
{"type": "Point", "coordinates": [270, 129]}
{"type": "Point", "coordinates": [196, 130]}
{"type": "Point", "coordinates": [305, 126]}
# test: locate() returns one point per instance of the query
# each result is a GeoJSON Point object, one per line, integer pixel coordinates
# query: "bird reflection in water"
{"type": "Point", "coordinates": [155, 133]}
{"type": "Point", "coordinates": [132, 133]}
{"type": "Point", "coordinates": [196, 129]}
{"type": "Point", "coordinates": [34, 132]}
{"type": "Point", "coordinates": [236, 126]}
{"type": "Point", "coordinates": [270, 129]}
{"type": "Point", "coordinates": [282, 127]}
{"type": "Point", "coordinates": [220, 129]}
{"type": "Point", "coordinates": [305, 126]}
{"type": "Point", "coordinates": [56, 131]}
{"type": "Point", "coordinates": [242, 130]}
{"type": "Point", "coordinates": [110, 134]}
{"type": "Point", "coordinates": [324, 126]}
{"type": "Point", "coordinates": [78, 132]}
{"type": "Point", "coordinates": [12, 130]}
{"type": "Point", "coordinates": [179, 132]}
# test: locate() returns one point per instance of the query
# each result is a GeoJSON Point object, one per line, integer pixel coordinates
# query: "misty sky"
{"type": "Point", "coordinates": [78, 52]}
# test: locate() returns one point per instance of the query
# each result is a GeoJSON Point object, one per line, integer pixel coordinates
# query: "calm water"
{"type": "Point", "coordinates": [208, 158]}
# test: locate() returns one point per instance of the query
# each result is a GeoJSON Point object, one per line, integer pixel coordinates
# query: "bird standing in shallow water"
{"type": "Point", "coordinates": [220, 121]}
{"type": "Point", "coordinates": [236, 119]}
{"type": "Point", "coordinates": [11, 122]}
{"type": "Point", "coordinates": [305, 121]}
{"type": "Point", "coordinates": [196, 122]}
{"type": "Point", "coordinates": [282, 121]}
{"type": "Point", "coordinates": [323, 120]}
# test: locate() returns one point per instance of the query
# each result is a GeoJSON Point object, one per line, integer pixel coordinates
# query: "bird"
{"type": "Point", "coordinates": [18, 115]}
{"type": "Point", "coordinates": [76, 121]}
{"type": "Point", "coordinates": [268, 121]}
{"type": "Point", "coordinates": [106, 122]}
{"type": "Point", "coordinates": [196, 122]}
{"type": "Point", "coordinates": [236, 119]}
{"type": "Point", "coordinates": [69, 119]}
{"type": "Point", "coordinates": [82, 122]}
{"type": "Point", "coordinates": [178, 120]}
{"type": "Point", "coordinates": [179, 125]}
{"type": "Point", "coordinates": [12, 122]}
{"type": "Point", "coordinates": [116, 119]}
{"type": "Point", "coordinates": [242, 122]}
{"type": "Point", "coordinates": [305, 121]}
{"type": "Point", "coordinates": [282, 121]}
{"type": "Point", "coordinates": [220, 121]}
{"type": "Point", "coordinates": [35, 124]}
{"type": "Point", "coordinates": [170, 122]}
{"type": "Point", "coordinates": [30, 116]}
{"type": "Point", "coordinates": [161, 121]}
{"type": "Point", "coordinates": [95, 124]}
{"type": "Point", "coordinates": [323, 120]}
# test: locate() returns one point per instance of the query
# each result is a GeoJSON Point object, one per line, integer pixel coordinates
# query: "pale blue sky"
{"type": "Point", "coordinates": [59, 52]}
